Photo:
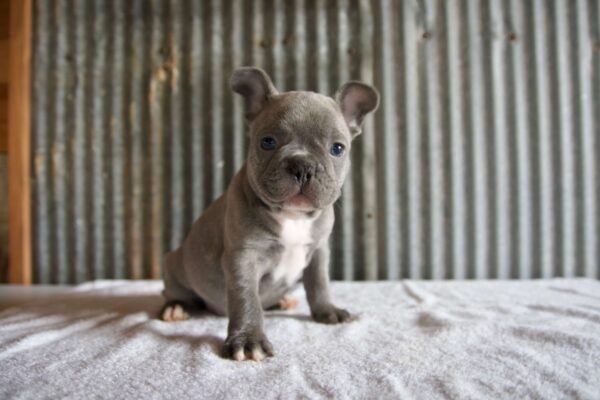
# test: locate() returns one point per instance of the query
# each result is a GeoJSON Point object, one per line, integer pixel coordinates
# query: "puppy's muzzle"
{"type": "Point", "coordinates": [303, 170]}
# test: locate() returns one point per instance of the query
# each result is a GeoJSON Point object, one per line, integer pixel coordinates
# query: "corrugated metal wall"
{"type": "Point", "coordinates": [482, 162]}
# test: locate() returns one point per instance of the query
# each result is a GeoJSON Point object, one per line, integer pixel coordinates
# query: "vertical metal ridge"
{"type": "Point", "coordinates": [343, 210]}
{"type": "Point", "coordinates": [154, 97]}
{"type": "Point", "coordinates": [58, 151]}
{"type": "Point", "coordinates": [239, 126]}
{"type": "Point", "coordinates": [227, 65]}
{"type": "Point", "coordinates": [434, 32]}
{"type": "Point", "coordinates": [534, 163]}
{"type": "Point", "coordinates": [390, 217]}
{"type": "Point", "coordinates": [49, 150]}
{"type": "Point", "coordinates": [300, 39]}
{"type": "Point", "coordinates": [414, 133]}
{"type": "Point", "coordinates": [70, 106]}
{"type": "Point", "coordinates": [595, 78]}
{"type": "Point", "coordinates": [183, 114]}
{"type": "Point", "coordinates": [50, 147]}
{"type": "Point", "coordinates": [105, 134]}
{"type": "Point", "coordinates": [488, 148]}
{"type": "Point", "coordinates": [457, 80]}
{"type": "Point", "coordinates": [368, 211]}
{"type": "Point", "coordinates": [544, 125]}
{"type": "Point", "coordinates": [556, 267]}
{"type": "Point", "coordinates": [402, 167]}
{"type": "Point", "coordinates": [257, 32]}
{"type": "Point", "coordinates": [590, 163]}
{"type": "Point", "coordinates": [217, 99]}
{"type": "Point", "coordinates": [502, 172]}
{"type": "Point", "coordinates": [422, 16]}
{"type": "Point", "coordinates": [289, 43]}
{"type": "Point", "coordinates": [173, 132]}
{"type": "Point", "coordinates": [80, 172]}
{"type": "Point", "coordinates": [88, 110]}
{"type": "Point", "coordinates": [479, 162]}
{"type": "Point", "coordinates": [322, 53]}
{"type": "Point", "coordinates": [344, 258]}
{"type": "Point", "coordinates": [128, 110]}
{"type": "Point", "coordinates": [524, 166]}
{"type": "Point", "coordinates": [566, 144]}
{"type": "Point", "coordinates": [104, 152]}
{"type": "Point", "coordinates": [578, 243]}
{"type": "Point", "coordinates": [278, 50]}
{"type": "Point", "coordinates": [96, 127]}
{"type": "Point", "coordinates": [41, 271]}
{"type": "Point", "coordinates": [197, 77]}
{"type": "Point", "coordinates": [116, 138]}
{"type": "Point", "coordinates": [137, 117]}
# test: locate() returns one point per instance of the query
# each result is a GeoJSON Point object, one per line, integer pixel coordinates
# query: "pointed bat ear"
{"type": "Point", "coordinates": [356, 100]}
{"type": "Point", "coordinates": [256, 88]}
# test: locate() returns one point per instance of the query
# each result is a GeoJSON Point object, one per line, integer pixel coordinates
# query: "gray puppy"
{"type": "Point", "coordinates": [272, 226]}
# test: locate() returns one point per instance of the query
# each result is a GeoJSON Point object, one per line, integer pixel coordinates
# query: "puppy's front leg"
{"type": "Point", "coordinates": [316, 284]}
{"type": "Point", "coordinates": [245, 337]}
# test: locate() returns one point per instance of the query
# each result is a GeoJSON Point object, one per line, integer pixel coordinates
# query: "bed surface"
{"type": "Point", "coordinates": [413, 339]}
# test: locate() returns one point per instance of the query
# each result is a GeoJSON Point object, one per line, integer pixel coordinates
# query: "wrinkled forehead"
{"type": "Point", "coordinates": [301, 111]}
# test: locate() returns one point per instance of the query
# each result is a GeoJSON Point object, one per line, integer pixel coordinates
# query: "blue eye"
{"type": "Point", "coordinates": [268, 143]}
{"type": "Point", "coordinates": [337, 150]}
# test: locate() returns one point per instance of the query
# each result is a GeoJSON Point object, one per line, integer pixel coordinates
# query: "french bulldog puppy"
{"type": "Point", "coordinates": [272, 225]}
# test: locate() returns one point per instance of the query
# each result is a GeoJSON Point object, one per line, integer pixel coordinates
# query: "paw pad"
{"type": "Point", "coordinates": [288, 303]}
{"type": "Point", "coordinates": [174, 312]}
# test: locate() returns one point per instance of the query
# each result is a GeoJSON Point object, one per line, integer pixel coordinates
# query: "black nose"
{"type": "Point", "coordinates": [302, 170]}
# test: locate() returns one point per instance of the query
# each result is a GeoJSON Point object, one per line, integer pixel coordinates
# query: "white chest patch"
{"type": "Point", "coordinates": [295, 239]}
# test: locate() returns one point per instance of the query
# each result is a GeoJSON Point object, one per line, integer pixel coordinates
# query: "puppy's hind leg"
{"type": "Point", "coordinates": [181, 301]}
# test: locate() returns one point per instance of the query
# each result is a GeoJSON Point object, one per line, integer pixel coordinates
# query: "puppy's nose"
{"type": "Point", "coordinates": [302, 170]}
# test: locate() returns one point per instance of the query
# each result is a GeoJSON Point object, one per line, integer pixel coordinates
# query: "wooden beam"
{"type": "Point", "coordinates": [3, 113]}
{"type": "Point", "coordinates": [4, 31]}
{"type": "Point", "coordinates": [19, 142]}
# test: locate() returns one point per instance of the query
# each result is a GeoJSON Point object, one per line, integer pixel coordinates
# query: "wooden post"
{"type": "Point", "coordinates": [19, 142]}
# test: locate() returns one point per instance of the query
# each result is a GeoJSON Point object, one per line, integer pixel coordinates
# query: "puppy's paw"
{"type": "Point", "coordinates": [247, 346]}
{"type": "Point", "coordinates": [174, 311]}
{"type": "Point", "coordinates": [288, 303]}
{"type": "Point", "coordinates": [331, 315]}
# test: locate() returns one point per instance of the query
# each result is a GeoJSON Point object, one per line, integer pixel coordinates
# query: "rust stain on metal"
{"type": "Point", "coordinates": [266, 43]}
{"type": "Point", "coordinates": [39, 163]}
{"type": "Point", "coordinates": [168, 70]}
{"type": "Point", "coordinates": [132, 112]}
{"type": "Point", "coordinates": [289, 40]}
{"type": "Point", "coordinates": [55, 159]}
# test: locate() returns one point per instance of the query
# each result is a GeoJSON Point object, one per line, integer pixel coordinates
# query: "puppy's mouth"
{"type": "Point", "coordinates": [296, 199]}
{"type": "Point", "coordinates": [283, 188]}
{"type": "Point", "coordinates": [298, 202]}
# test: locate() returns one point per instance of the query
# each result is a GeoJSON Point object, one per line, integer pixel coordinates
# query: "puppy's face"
{"type": "Point", "coordinates": [299, 151]}
{"type": "Point", "coordinates": [300, 141]}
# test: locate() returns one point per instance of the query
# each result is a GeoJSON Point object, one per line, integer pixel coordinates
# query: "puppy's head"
{"type": "Point", "coordinates": [300, 141]}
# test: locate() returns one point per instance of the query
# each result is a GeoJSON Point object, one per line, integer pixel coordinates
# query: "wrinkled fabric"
{"type": "Point", "coordinates": [412, 339]}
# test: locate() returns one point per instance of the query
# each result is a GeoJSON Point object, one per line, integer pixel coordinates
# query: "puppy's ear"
{"type": "Point", "coordinates": [256, 88]}
{"type": "Point", "coordinates": [356, 100]}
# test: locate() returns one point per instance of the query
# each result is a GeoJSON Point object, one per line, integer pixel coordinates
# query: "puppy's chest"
{"type": "Point", "coordinates": [296, 241]}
